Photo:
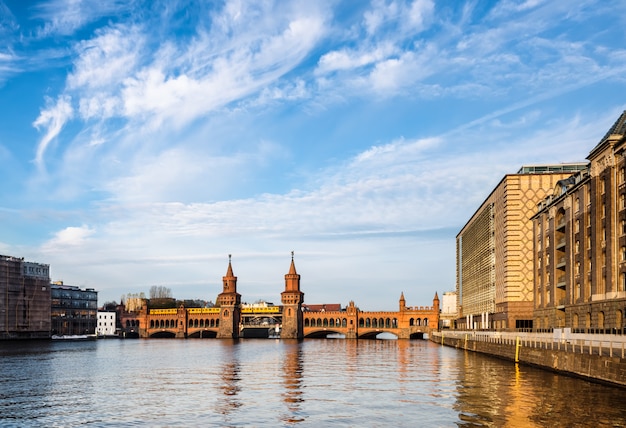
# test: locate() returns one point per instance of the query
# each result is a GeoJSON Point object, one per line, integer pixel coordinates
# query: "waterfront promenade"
{"type": "Point", "coordinates": [597, 357]}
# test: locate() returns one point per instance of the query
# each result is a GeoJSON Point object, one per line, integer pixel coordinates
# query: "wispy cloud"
{"type": "Point", "coordinates": [52, 120]}
{"type": "Point", "coordinates": [64, 17]}
{"type": "Point", "coordinates": [361, 136]}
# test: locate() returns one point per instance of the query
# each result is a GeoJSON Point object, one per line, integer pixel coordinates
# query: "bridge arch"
{"type": "Point", "coordinates": [163, 334]}
{"type": "Point", "coordinates": [203, 334]}
{"type": "Point", "coordinates": [418, 335]}
{"type": "Point", "coordinates": [373, 334]}
{"type": "Point", "coordinates": [322, 334]}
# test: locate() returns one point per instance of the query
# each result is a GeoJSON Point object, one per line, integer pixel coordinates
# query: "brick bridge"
{"type": "Point", "coordinates": [291, 320]}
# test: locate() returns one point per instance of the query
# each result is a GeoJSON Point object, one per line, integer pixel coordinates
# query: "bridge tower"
{"type": "Point", "coordinates": [434, 324]}
{"type": "Point", "coordinates": [229, 302]}
{"type": "Point", "coordinates": [292, 299]}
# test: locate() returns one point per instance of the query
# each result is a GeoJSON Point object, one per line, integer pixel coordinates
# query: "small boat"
{"type": "Point", "coordinates": [74, 337]}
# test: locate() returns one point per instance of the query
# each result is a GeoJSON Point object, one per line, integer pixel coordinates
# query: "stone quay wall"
{"type": "Point", "coordinates": [602, 360]}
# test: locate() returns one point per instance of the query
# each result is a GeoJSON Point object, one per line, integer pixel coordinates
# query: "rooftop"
{"type": "Point", "coordinates": [561, 167]}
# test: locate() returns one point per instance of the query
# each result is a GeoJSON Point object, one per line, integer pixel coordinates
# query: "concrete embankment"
{"type": "Point", "coordinates": [599, 361]}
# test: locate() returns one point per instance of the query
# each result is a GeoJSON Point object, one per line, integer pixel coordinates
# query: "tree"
{"type": "Point", "coordinates": [133, 301]}
{"type": "Point", "coordinates": [160, 292]}
{"type": "Point", "coordinates": [110, 306]}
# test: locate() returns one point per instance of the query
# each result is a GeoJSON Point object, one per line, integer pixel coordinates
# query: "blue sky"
{"type": "Point", "coordinates": [141, 142]}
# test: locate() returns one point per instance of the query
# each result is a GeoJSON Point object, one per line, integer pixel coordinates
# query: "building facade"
{"type": "Point", "coordinates": [74, 310]}
{"type": "Point", "coordinates": [106, 323]}
{"type": "Point", "coordinates": [24, 299]}
{"type": "Point", "coordinates": [580, 244]}
{"type": "Point", "coordinates": [449, 313]}
{"type": "Point", "coordinates": [494, 251]}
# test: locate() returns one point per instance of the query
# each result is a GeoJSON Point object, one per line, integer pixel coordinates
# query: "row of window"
{"type": "Point", "coordinates": [363, 322]}
{"type": "Point", "coordinates": [600, 324]}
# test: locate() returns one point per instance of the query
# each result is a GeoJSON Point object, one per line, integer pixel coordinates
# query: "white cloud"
{"type": "Point", "coordinates": [53, 118]}
{"type": "Point", "coordinates": [107, 59]}
{"type": "Point", "coordinates": [385, 200]}
{"type": "Point", "coordinates": [413, 16]}
{"type": "Point", "coordinates": [67, 16]}
{"type": "Point", "coordinates": [70, 236]}
{"type": "Point", "coordinates": [348, 59]}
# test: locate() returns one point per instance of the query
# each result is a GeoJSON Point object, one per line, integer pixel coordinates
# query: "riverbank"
{"type": "Point", "coordinates": [599, 359]}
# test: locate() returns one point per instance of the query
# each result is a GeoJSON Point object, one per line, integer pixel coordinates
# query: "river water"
{"type": "Point", "coordinates": [273, 383]}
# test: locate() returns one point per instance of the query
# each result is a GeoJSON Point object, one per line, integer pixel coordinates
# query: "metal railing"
{"type": "Point", "coordinates": [601, 344]}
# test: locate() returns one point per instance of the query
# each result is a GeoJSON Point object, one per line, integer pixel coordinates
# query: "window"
{"type": "Point", "coordinates": [577, 225]}
{"type": "Point", "coordinates": [602, 185]}
{"type": "Point", "coordinates": [601, 319]}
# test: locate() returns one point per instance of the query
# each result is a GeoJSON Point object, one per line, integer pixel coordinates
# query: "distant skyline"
{"type": "Point", "coordinates": [141, 142]}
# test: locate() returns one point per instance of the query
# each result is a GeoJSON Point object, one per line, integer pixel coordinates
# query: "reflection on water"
{"type": "Point", "coordinates": [255, 382]}
{"type": "Point", "coordinates": [229, 372]}
{"type": "Point", "coordinates": [497, 393]}
{"type": "Point", "coordinates": [292, 380]}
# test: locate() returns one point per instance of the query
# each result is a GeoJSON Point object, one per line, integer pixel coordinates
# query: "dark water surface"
{"type": "Point", "coordinates": [269, 383]}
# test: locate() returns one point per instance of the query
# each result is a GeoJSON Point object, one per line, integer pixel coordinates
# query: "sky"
{"type": "Point", "coordinates": [142, 142]}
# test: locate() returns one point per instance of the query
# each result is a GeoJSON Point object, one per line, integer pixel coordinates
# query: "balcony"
{"type": "Point", "coordinates": [560, 282]}
{"type": "Point", "coordinates": [560, 226]}
{"type": "Point", "coordinates": [560, 263]}
{"type": "Point", "coordinates": [560, 244]}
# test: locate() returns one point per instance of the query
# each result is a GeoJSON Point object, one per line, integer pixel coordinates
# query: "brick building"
{"type": "Point", "coordinates": [24, 299]}
{"type": "Point", "coordinates": [580, 244]}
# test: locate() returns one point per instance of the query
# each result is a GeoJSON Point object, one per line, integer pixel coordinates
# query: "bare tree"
{"type": "Point", "coordinates": [160, 292]}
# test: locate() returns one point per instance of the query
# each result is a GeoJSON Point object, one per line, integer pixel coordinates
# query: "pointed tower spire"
{"type": "Point", "coordinates": [230, 280]}
{"type": "Point", "coordinates": [229, 271]}
{"type": "Point", "coordinates": [292, 268]}
{"type": "Point", "coordinates": [402, 302]}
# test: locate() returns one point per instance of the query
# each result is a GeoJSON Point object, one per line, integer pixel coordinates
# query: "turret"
{"type": "Point", "coordinates": [229, 302]}
{"type": "Point", "coordinates": [292, 299]}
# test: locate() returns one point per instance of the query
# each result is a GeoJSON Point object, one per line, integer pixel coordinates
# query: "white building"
{"type": "Point", "coordinates": [448, 309]}
{"type": "Point", "coordinates": [106, 324]}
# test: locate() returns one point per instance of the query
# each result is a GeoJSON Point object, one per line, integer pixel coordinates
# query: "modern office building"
{"type": "Point", "coordinates": [580, 244]}
{"type": "Point", "coordinates": [74, 310]}
{"type": "Point", "coordinates": [494, 250]}
{"type": "Point", "coordinates": [24, 299]}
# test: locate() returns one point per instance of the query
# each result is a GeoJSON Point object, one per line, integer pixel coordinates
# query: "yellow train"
{"type": "Point", "coordinates": [172, 311]}
{"type": "Point", "coordinates": [203, 310]}
{"type": "Point", "coordinates": [261, 310]}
